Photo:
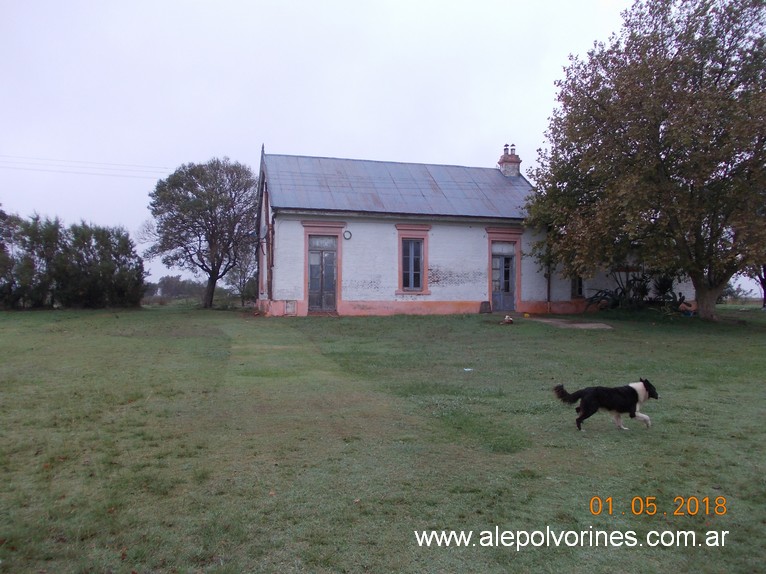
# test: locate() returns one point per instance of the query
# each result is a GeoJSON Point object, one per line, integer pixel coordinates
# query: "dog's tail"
{"type": "Point", "coordinates": [566, 397]}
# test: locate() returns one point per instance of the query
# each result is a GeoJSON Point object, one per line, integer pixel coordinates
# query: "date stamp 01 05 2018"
{"type": "Point", "coordinates": [647, 505]}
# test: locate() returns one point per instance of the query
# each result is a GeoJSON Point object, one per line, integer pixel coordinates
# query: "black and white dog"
{"type": "Point", "coordinates": [616, 400]}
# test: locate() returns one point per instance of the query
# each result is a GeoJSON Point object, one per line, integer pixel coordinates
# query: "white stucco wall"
{"type": "Point", "coordinates": [534, 284]}
{"type": "Point", "coordinates": [369, 261]}
{"type": "Point", "coordinates": [289, 257]}
{"type": "Point", "coordinates": [457, 261]}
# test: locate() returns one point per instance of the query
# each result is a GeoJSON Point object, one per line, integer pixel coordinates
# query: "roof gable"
{"type": "Point", "coordinates": [331, 184]}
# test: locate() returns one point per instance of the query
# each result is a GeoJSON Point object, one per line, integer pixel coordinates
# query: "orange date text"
{"type": "Point", "coordinates": [647, 505]}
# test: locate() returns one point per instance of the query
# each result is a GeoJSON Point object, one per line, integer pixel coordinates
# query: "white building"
{"type": "Point", "coordinates": [358, 237]}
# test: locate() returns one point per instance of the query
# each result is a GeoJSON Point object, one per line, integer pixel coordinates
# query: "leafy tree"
{"type": "Point", "coordinates": [758, 272]}
{"type": "Point", "coordinates": [151, 289]}
{"type": "Point", "coordinates": [204, 216]}
{"type": "Point", "coordinates": [41, 242]}
{"type": "Point", "coordinates": [98, 267]}
{"type": "Point", "coordinates": [42, 264]}
{"type": "Point", "coordinates": [734, 292]}
{"type": "Point", "coordinates": [242, 278]}
{"type": "Point", "coordinates": [173, 286]}
{"type": "Point", "coordinates": [657, 147]}
{"type": "Point", "coordinates": [125, 279]}
{"type": "Point", "coordinates": [170, 285]}
{"type": "Point", "coordinates": [9, 228]}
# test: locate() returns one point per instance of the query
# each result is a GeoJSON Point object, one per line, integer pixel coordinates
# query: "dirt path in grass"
{"type": "Point", "coordinates": [567, 324]}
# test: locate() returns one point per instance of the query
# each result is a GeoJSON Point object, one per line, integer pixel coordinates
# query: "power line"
{"type": "Point", "coordinates": [77, 172]}
{"type": "Point", "coordinates": [43, 159]}
{"type": "Point", "coordinates": [80, 167]}
{"type": "Point", "coordinates": [83, 165]}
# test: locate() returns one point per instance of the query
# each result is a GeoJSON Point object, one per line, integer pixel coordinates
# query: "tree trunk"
{"type": "Point", "coordinates": [706, 300]}
{"type": "Point", "coordinates": [706, 294]}
{"type": "Point", "coordinates": [207, 302]}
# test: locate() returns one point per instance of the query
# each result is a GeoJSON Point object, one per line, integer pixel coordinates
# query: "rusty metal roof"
{"type": "Point", "coordinates": [349, 185]}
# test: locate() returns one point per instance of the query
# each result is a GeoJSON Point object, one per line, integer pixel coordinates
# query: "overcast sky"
{"type": "Point", "coordinates": [101, 98]}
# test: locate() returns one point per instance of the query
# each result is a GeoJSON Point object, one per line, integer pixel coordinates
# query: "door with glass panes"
{"type": "Point", "coordinates": [503, 276]}
{"type": "Point", "coordinates": [323, 256]}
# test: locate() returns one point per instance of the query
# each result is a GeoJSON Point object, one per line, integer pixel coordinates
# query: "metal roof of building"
{"type": "Point", "coordinates": [348, 185]}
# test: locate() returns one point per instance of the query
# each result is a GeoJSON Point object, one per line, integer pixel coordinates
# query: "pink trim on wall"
{"type": "Point", "coordinates": [382, 308]}
{"type": "Point", "coordinates": [378, 308]}
{"type": "Point", "coordinates": [545, 307]}
{"type": "Point", "coordinates": [385, 308]}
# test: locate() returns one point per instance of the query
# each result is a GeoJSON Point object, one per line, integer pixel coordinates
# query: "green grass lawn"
{"type": "Point", "coordinates": [178, 440]}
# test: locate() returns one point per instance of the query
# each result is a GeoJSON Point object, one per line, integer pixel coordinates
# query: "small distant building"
{"type": "Point", "coordinates": [363, 237]}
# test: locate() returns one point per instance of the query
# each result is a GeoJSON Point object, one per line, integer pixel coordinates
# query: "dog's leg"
{"type": "Point", "coordinates": [645, 418]}
{"type": "Point", "coordinates": [585, 410]}
{"type": "Point", "coordinates": [618, 421]}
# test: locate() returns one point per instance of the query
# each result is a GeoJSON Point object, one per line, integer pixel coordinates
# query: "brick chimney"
{"type": "Point", "coordinates": [509, 162]}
